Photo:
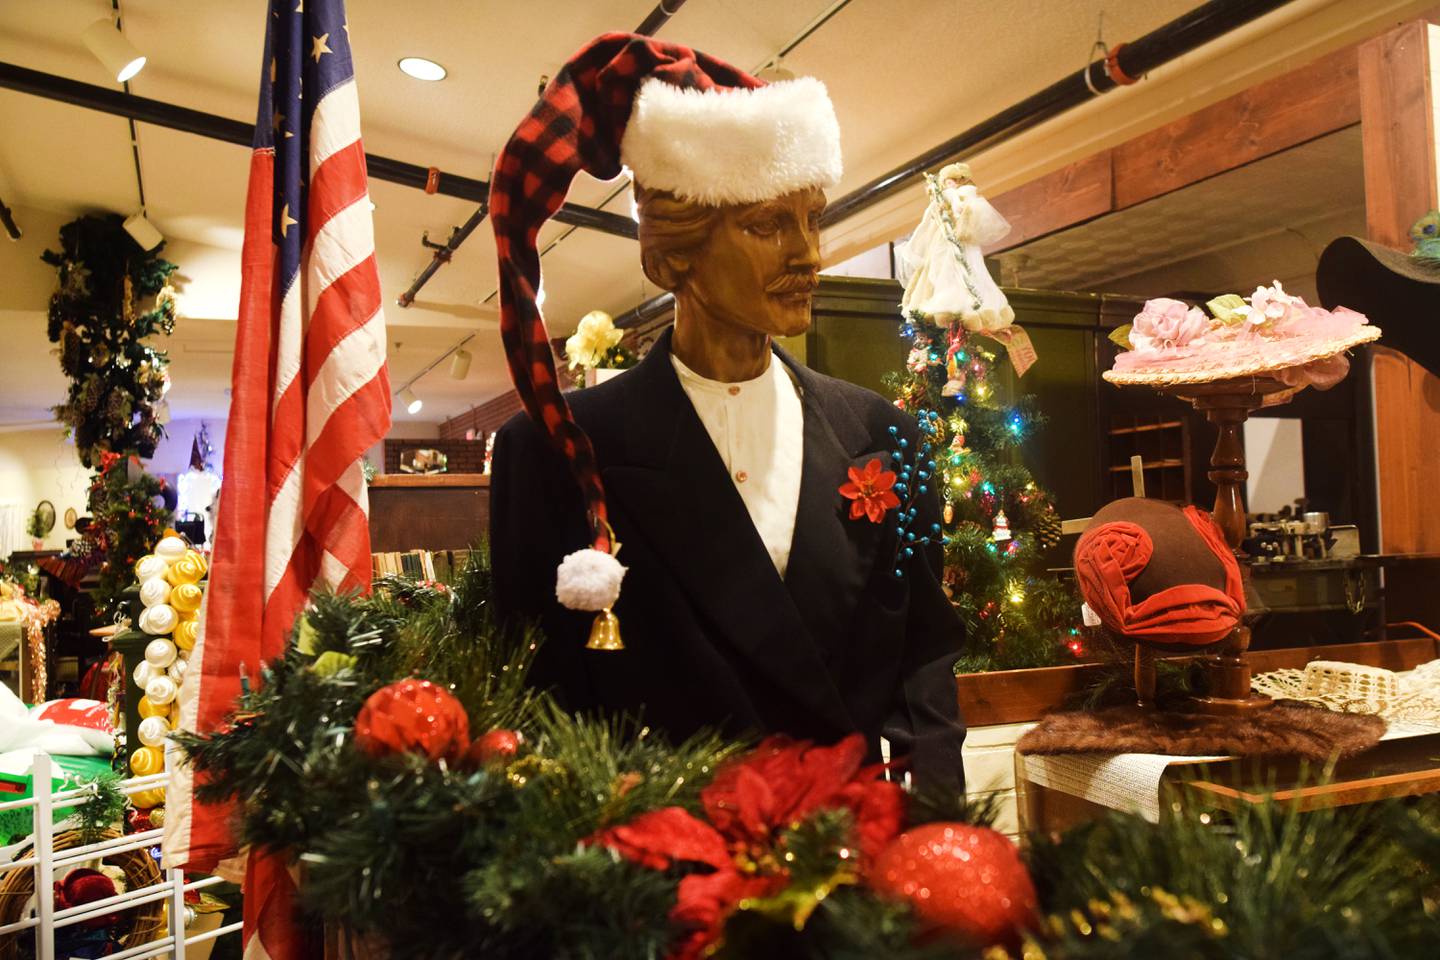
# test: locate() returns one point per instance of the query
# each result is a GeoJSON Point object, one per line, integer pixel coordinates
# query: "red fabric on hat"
{"type": "Point", "coordinates": [1110, 556]}
{"type": "Point", "coordinates": [577, 125]}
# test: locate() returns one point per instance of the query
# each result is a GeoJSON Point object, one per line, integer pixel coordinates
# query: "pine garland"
{"type": "Point", "coordinates": [126, 521]}
{"type": "Point", "coordinates": [446, 860]}
{"type": "Point", "coordinates": [97, 320]}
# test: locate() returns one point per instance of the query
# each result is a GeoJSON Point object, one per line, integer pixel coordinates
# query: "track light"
{"type": "Point", "coordinates": [460, 365]}
{"type": "Point", "coordinates": [143, 232]}
{"type": "Point", "coordinates": [110, 47]}
{"type": "Point", "coordinates": [412, 402]}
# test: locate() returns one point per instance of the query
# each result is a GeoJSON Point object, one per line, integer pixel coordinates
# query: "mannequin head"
{"type": "Point", "coordinates": [747, 269]}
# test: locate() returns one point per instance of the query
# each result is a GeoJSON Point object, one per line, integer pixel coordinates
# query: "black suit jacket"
{"type": "Point", "coordinates": [713, 636]}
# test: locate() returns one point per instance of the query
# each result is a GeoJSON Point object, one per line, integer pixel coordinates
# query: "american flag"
{"type": "Point", "coordinates": [310, 395]}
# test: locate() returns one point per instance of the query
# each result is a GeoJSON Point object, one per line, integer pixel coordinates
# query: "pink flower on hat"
{"type": "Point", "coordinates": [1166, 324]}
{"type": "Point", "coordinates": [1273, 305]}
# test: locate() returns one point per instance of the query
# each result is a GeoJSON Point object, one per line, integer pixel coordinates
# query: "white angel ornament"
{"type": "Point", "coordinates": [943, 268]}
{"type": "Point", "coordinates": [946, 277]}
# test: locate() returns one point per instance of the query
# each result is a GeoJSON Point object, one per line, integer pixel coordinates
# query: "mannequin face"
{"type": "Point", "coordinates": [758, 269]}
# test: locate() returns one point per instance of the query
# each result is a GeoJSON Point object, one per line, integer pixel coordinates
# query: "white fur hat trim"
{"type": "Point", "coordinates": [589, 579]}
{"type": "Point", "coordinates": [733, 145]}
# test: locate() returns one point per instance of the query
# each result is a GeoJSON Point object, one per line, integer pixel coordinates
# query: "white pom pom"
{"type": "Point", "coordinates": [588, 580]}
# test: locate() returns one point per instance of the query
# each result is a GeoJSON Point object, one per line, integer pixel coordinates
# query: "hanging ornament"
{"type": "Point", "coordinates": [158, 620]}
{"type": "Point", "coordinates": [949, 514]}
{"type": "Point", "coordinates": [149, 708]}
{"type": "Point", "coordinates": [190, 568]}
{"type": "Point", "coordinates": [186, 597]}
{"type": "Point", "coordinates": [144, 672]}
{"type": "Point", "coordinates": [147, 761]}
{"type": "Point", "coordinates": [186, 633]}
{"type": "Point", "coordinates": [154, 591]}
{"type": "Point", "coordinates": [1002, 527]}
{"type": "Point", "coordinates": [495, 746]}
{"type": "Point", "coordinates": [170, 549]}
{"type": "Point", "coordinates": [962, 879]}
{"type": "Point", "coordinates": [413, 716]}
{"type": "Point", "coordinates": [160, 652]}
{"type": "Point", "coordinates": [161, 689]}
{"type": "Point", "coordinates": [150, 566]}
{"type": "Point", "coordinates": [1047, 529]}
{"type": "Point", "coordinates": [153, 731]}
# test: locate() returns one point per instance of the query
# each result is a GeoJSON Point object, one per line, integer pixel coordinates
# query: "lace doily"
{"type": "Point", "coordinates": [1411, 696]}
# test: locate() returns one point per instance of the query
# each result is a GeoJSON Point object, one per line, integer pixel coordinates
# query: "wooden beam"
{"type": "Point", "coordinates": [1319, 98]}
{"type": "Point", "coordinates": [1398, 123]}
{"type": "Point", "coordinates": [1070, 195]}
{"type": "Point", "coordinates": [1402, 177]}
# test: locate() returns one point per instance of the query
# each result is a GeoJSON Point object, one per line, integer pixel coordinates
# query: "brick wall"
{"type": "Point", "coordinates": [463, 456]}
{"type": "Point", "coordinates": [484, 419]}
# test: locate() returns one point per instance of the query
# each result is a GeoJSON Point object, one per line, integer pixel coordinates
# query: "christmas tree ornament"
{"type": "Point", "coordinates": [496, 746]}
{"type": "Point", "coordinates": [949, 513]}
{"type": "Point", "coordinates": [962, 879]}
{"type": "Point", "coordinates": [154, 591]}
{"type": "Point", "coordinates": [332, 662]}
{"type": "Point", "coordinates": [153, 731]}
{"type": "Point", "coordinates": [149, 567]}
{"type": "Point", "coordinates": [186, 597]}
{"type": "Point", "coordinates": [161, 689]}
{"type": "Point", "coordinates": [176, 670]}
{"type": "Point", "coordinates": [1048, 529]}
{"type": "Point", "coordinates": [170, 549]}
{"type": "Point", "coordinates": [144, 672]}
{"type": "Point", "coordinates": [148, 799]}
{"type": "Point", "coordinates": [187, 631]}
{"type": "Point", "coordinates": [1002, 527]}
{"type": "Point", "coordinates": [190, 568]}
{"type": "Point", "coordinates": [160, 652]}
{"type": "Point", "coordinates": [147, 761]}
{"type": "Point", "coordinates": [413, 716]}
{"type": "Point", "coordinates": [158, 620]}
{"type": "Point", "coordinates": [146, 706]}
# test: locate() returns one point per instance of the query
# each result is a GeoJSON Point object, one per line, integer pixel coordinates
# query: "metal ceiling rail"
{"type": "Point", "coordinates": [162, 114]}
{"type": "Point", "coordinates": [1125, 64]}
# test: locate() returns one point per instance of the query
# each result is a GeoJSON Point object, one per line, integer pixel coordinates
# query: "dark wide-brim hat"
{"type": "Point", "coordinates": [1397, 291]}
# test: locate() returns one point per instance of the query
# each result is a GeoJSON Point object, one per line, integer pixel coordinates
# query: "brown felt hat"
{"type": "Point", "coordinates": [1397, 291]}
{"type": "Point", "coordinates": [1181, 555]}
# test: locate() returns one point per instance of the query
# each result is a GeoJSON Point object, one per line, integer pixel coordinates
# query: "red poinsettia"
{"type": "Point", "coordinates": [749, 805]}
{"type": "Point", "coordinates": [870, 491]}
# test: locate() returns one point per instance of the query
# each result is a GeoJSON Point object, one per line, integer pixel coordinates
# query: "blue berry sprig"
{"type": "Point", "coordinates": [912, 482]}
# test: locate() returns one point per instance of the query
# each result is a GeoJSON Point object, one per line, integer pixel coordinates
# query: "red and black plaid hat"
{"type": "Point", "coordinates": [684, 123]}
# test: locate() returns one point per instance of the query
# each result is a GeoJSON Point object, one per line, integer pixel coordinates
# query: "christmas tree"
{"type": "Point", "coordinates": [127, 520]}
{"type": "Point", "coordinates": [998, 522]}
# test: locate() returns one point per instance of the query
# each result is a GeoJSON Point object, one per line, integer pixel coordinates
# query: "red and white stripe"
{"type": "Point", "coordinates": [310, 395]}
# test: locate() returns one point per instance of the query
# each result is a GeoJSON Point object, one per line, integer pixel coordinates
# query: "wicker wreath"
{"type": "Point", "coordinates": [139, 924]}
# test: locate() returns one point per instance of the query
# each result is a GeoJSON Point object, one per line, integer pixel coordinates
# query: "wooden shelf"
{"type": "Point", "coordinates": [1149, 465]}
{"type": "Point", "coordinates": [431, 480]}
{"type": "Point", "coordinates": [1146, 427]}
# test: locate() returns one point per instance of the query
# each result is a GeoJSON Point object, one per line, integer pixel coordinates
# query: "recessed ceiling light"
{"type": "Point", "coordinates": [421, 69]}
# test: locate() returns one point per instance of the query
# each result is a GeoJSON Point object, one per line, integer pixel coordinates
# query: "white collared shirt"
{"type": "Point", "coordinates": [758, 428]}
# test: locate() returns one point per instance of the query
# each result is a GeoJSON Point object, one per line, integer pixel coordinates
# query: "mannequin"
{"type": "Point", "coordinates": [755, 600]}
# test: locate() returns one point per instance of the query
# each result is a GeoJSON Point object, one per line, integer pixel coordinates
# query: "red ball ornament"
{"type": "Point", "coordinates": [413, 716]}
{"type": "Point", "coordinates": [495, 746]}
{"type": "Point", "coordinates": [961, 879]}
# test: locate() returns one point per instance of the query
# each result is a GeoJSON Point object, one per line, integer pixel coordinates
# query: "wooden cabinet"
{"type": "Point", "coordinates": [1162, 442]}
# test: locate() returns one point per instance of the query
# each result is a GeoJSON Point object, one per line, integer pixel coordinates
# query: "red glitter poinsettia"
{"type": "Point", "coordinates": [749, 805]}
{"type": "Point", "coordinates": [870, 491]}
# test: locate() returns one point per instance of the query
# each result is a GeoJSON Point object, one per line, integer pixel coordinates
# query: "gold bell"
{"type": "Point", "coordinates": [605, 632]}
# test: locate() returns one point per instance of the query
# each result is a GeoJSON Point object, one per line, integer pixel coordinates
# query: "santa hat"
{"type": "Point", "coordinates": [684, 123]}
{"type": "Point", "coordinates": [1159, 575]}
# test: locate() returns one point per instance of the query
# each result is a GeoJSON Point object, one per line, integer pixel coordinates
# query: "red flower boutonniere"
{"type": "Point", "coordinates": [870, 491]}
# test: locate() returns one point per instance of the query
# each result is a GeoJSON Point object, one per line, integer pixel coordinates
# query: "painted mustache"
{"type": "Point", "coordinates": [793, 283]}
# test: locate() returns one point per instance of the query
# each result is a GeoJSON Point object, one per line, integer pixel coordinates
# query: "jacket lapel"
{"type": "Point", "coordinates": [677, 494]}
{"type": "Point", "coordinates": [832, 556]}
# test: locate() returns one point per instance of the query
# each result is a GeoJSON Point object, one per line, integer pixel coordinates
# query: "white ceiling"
{"type": "Point", "coordinates": [904, 75]}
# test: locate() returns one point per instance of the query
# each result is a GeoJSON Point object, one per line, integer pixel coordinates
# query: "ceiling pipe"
{"type": "Point", "coordinates": [657, 18]}
{"type": "Point", "coordinates": [443, 253]}
{"type": "Point", "coordinates": [1127, 63]}
{"type": "Point", "coordinates": [161, 114]}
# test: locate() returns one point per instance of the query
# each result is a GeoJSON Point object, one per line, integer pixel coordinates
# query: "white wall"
{"type": "Point", "coordinates": [40, 464]}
